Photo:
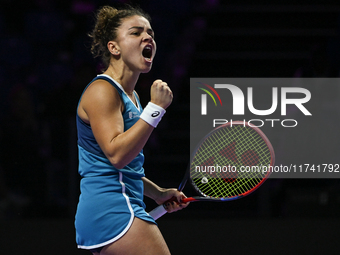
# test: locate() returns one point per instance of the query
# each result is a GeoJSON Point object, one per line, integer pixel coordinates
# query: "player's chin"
{"type": "Point", "coordinates": [146, 69]}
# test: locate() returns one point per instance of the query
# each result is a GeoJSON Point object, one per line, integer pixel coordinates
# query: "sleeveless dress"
{"type": "Point", "coordinates": [110, 198]}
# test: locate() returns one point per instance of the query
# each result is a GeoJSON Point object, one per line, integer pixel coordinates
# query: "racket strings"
{"type": "Point", "coordinates": [228, 162]}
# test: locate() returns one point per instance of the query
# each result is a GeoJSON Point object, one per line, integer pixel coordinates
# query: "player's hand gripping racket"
{"type": "Point", "coordinates": [230, 162]}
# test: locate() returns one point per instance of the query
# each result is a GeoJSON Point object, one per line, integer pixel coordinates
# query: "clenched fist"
{"type": "Point", "coordinates": [161, 94]}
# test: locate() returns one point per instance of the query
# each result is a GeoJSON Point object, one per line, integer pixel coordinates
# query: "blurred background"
{"type": "Point", "coordinates": [45, 64]}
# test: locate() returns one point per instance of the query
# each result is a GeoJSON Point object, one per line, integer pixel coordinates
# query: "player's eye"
{"type": "Point", "coordinates": [152, 35]}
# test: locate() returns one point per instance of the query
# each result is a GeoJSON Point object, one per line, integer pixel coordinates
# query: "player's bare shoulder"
{"type": "Point", "coordinates": [99, 96]}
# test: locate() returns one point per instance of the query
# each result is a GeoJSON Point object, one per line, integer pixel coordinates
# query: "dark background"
{"type": "Point", "coordinates": [45, 64]}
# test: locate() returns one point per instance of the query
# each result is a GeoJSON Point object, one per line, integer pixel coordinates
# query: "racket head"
{"type": "Point", "coordinates": [230, 162]}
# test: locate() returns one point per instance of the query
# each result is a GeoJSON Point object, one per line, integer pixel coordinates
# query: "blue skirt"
{"type": "Point", "coordinates": [106, 209]}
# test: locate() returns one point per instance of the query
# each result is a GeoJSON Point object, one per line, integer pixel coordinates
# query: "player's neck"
{"type": "Point", "coordinates": [125, 77]}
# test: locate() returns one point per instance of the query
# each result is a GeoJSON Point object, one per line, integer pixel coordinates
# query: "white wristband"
{"type": "Point", "coordinates": [152, 114]}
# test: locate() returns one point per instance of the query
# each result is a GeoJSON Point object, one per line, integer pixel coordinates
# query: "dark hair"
{"type": "Point", "coordinates": [108, 19]}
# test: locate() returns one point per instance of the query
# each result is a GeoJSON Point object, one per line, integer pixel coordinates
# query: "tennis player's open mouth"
{"type": "Point", "coordinates": [147, 53]}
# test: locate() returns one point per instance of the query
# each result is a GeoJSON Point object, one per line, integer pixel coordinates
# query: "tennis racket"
{"type": "Point", "coordinates": [230, 162]}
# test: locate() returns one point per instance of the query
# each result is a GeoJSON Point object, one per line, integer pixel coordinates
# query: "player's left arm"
{"type": "Point", "coordinates": [161, 195]}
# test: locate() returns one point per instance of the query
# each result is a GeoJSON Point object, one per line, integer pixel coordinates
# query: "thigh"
{"type": "Point", "coordinates": [143, 238]}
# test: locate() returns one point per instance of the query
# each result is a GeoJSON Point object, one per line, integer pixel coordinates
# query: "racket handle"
{"type": "Point", "coordinates": [158, 212]}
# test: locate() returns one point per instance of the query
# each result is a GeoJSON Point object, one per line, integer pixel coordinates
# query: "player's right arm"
{"type": "Point", "coordinates": [101, 107]}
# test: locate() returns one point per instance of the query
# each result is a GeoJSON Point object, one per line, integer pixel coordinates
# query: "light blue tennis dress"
{"type": "Point", "coordinates": [110, 198]}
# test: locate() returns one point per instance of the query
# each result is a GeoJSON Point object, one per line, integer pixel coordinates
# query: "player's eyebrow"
{"type": "Point", "coordinates": [142, 28]}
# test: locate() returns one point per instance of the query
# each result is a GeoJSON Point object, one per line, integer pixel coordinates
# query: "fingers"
{"type": "Point", "coordinates": [174, 206]}
{"type": "Point", "coordinates": [161, 94]}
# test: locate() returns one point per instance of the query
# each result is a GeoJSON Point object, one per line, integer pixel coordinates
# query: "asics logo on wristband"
{"type": "Point", "coordinates": [152, 114]}
{"type": "Point", "coordinates": [155, 114]}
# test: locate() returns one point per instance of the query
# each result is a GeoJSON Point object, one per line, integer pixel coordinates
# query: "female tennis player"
{"type": "Point", "coordinates": [112, 131]}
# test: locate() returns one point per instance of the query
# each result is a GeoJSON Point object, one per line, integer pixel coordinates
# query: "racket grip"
{"type": "Point", "coordinates": [158, 212]}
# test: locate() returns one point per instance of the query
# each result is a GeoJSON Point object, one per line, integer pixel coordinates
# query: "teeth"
{"type": "Point", "coordinates": [147, 52]}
